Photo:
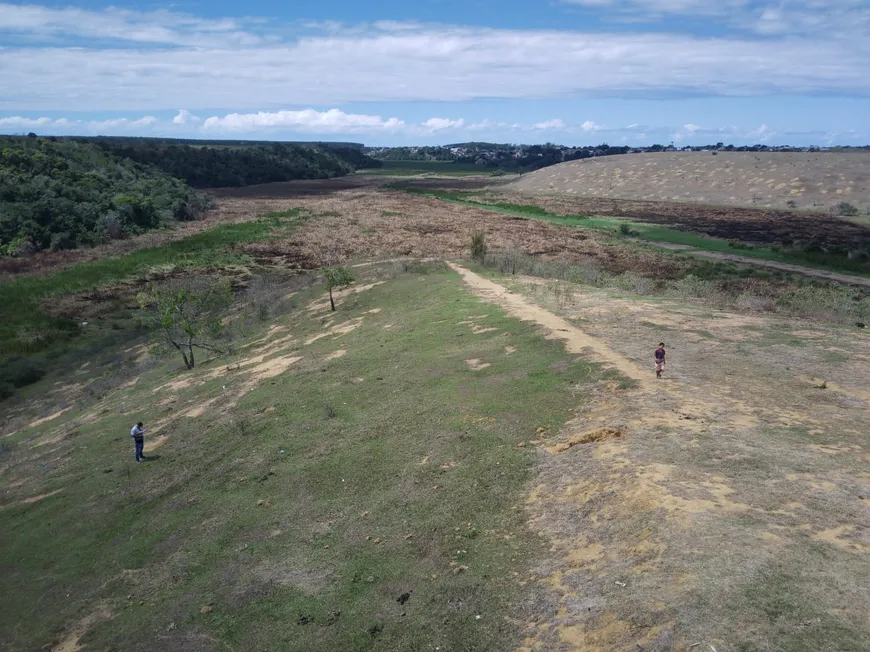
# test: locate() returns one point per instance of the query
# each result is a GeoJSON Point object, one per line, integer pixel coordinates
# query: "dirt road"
{"type": "Point", "coordinates": [721, 508]}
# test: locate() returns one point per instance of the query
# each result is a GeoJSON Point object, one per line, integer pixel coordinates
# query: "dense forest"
{"type": "Point", "coordinates": [57, 194]}
{"type": "Point", "coordinates": [205, 166]}
{"type": "Point", "coordinates": [513, 158]}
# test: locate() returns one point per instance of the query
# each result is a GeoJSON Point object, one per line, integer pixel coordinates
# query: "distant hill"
{"type": "Point", "coordinates": [806, 180]}
{"type": "Point", "coordinates": [61, 194]}
{"type": "Point", "coordinates": [223, 164]}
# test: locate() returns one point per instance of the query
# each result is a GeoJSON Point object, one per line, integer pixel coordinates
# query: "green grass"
{"type": "Point", "coordinates": [21, 297]}
{"type": "Point", "coordinates": [398, 440]}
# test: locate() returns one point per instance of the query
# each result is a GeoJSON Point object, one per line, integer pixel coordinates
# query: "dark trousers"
{"type": "Point", "coordinates": [140, 444]}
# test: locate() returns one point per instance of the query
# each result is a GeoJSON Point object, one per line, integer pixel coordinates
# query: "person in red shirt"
{"type": "Point", "coordinates": [660, 359]}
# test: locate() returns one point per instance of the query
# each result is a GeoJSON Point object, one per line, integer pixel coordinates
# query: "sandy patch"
{"type": "Point", "coordinates": [336, 354]}
{"type": "Point", "coordinates": [323, 304]}
{"type": "Point", "coordinates": [835, 535]}
{"type": "Point", "coordinates": [50, 417]}
{"type": "Point", "coordinates": [175, 385]}
{"type": "Point", "coordinates": [476, 365]}
{"type": "Point", "coordinates": [36, 499]}
{"type": "Point", "coordinates": [153, 443]}
{"type": "Point", "coordinates": [70, 642]}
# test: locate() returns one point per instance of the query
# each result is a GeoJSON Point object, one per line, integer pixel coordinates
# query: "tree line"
{"type": "Point", "coordinates": [208, 166]}
{"type": "Point", "coordinates": [58, 194]}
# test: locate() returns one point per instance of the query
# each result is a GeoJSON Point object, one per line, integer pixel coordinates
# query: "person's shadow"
{"type": "Point", "coordinates": [150, 458]}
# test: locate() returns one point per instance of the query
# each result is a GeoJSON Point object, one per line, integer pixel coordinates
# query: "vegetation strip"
{"type": "Point", "coordinates": [655, 234]}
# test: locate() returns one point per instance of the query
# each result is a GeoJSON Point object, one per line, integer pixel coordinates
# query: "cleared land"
{"type": "Point", "coordinates": [814, 181]}
{"type": "Point", "coordinates": [457, 459]}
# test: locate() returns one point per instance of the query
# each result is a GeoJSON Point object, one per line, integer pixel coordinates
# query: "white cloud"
{"type": "Point", "coordinates": [116, 123]}
{"type": "Point", "coordinates": [184, 117]}
{"type": "Point", "coordinates": [550, 124]}
{"type": "Point", "coordinates": [199, 63]}
{"type": "Point", "coordinates": [65, 126]}
{"type": "Point", "coordinates": [792, 17]}
{"type": "Point", "coordinates": [439, 124]}
{"type": "Point", "coordinates": [20, 122]}
{"type": "Point", "coordinates": [331, 121]}
{"type": "Point", "coordinates": [153, 27]}
{"type": "Point", "coordinates": [591, 126]}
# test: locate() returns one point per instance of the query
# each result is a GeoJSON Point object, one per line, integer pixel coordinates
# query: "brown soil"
{"type": "Point", "coordinates": [682, 506]}
{"type": "Point", "coordinates": [375, 223]}
{"type": "Point", "coordinates": [816, 181]}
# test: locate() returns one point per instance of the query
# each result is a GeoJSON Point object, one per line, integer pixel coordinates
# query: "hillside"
{"type": "Point", "coordinates": [817, 181]}
{"type": "Point", "coordinates": [63, 194]}
{"type": "Point", "coordinates": [465, 455]}
{"type": "Point", "coordinates": [210, 166]}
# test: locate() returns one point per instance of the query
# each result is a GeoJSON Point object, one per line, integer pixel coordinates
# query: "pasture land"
{"type": "Point", "coordinates": [812, 181]}
{"type": "Point", "coordinates": [465, 457]}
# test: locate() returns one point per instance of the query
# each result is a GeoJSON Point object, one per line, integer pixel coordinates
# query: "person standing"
{"type": "Point", "coordinates": [138, 435]}
{"type": "Point", "coordinates": [660, 359]}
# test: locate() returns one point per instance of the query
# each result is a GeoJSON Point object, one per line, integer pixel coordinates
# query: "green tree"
{"type": "Point", "coordinates": [188, 314]}
{"type": "Point", "coordinates": [336, 278]}
{"type": "Point", "coordinates": [478, 247]}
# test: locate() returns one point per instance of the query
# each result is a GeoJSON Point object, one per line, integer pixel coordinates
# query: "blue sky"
{"type": "Point", "coordinates": [441, 71]}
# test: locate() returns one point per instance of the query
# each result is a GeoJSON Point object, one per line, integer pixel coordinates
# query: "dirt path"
{"type": "Point", "coordinates": [576, 341]}
{"type": "Point", "coordinates": [638, 494]}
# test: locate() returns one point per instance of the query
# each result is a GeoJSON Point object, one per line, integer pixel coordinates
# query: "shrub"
{"type": "Point", "coordinates": [19, 372]}
{"type": "Point", "coordinates": [846, 209]}
{"type": "Point", "coordinates": [739, 244]}
{"type": "Point", "coordinates": [692, 286]}
{"type": "Point", "coordinates": [634, 283]}
{"type": "Point", "coordinates": [625, 229]}
{"type": "Point", "coordinates": [478, 246]}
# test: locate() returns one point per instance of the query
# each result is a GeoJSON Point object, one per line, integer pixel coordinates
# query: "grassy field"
{"type": "Point", "coordinates": [31, 325]}
{"type": "Point", "coordinates": [361, 501]}
{"type": "Point", "coordinates": [657, 234]}
{"type": "Point", "coordinates": [805, 180]}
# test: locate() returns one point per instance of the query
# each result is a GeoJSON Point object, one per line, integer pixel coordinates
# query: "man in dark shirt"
{"type": "Point", "coordinates": [660, 359]}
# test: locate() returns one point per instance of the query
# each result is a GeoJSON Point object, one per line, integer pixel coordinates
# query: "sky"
{"type": "Point", "coordinates": [395, 72]}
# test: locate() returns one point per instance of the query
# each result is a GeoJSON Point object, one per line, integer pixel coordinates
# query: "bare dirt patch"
{"type": "Point", "coordinates": [70, 642]}
{"type": "Point", "coordinates": [736, 449]}
{"type": "Point", "coordinates": [50, 417]}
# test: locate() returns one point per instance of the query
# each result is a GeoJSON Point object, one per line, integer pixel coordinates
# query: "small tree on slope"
{"type": "Point", "coordinates": [188, 313]}
{"type": "Point", "coordinates": [336, 278]}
